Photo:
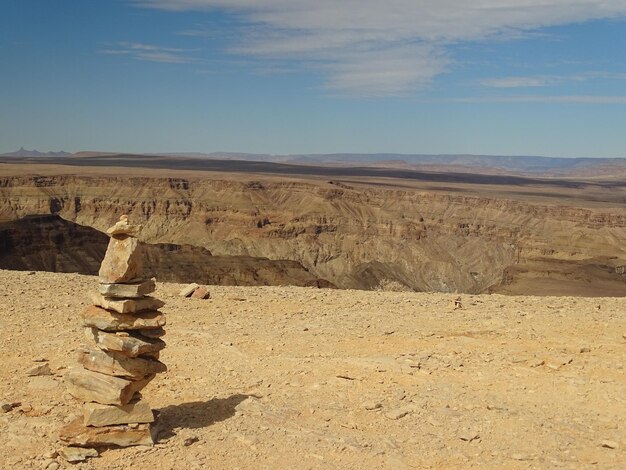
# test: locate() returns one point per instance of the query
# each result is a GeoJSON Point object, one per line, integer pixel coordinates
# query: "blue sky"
{"type": "Point", "coordinates": [505, 77]}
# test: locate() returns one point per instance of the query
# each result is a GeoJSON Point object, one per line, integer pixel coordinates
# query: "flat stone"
{"type": "Point", "coordinates": [6, 407]}
{"type": "Point", "coordinates": [123, 228]}
{"type": "Point", "coordinates": [77, 454]}
{"type": "Point", "coordinates": [201, 293]}
{"type": "Point", "coordinates": [122, 262]}
{"type": "Point", "coordinates": [96, 414]}
{"type": "Point", "coordinates": [372, 405]}
{"type": "Point", "coordinates": [609, 444]}
{"type": "Point", "coordinates": [132, 290]}
{"type": "Point", "coordinates": [43, 383]}
{"type": "Point", "coordinates": [555, 363]}
{"type": "Point", "coordinates": [77, 434]}
{"type": "Point", "coordinates": [154, 333]}
{"type": "Point", "coordinates": [127, 305]}
{"type": "Point", "coordinates": [106, 320]}
{"type": "Point", "coordinates": [188, 290]}
{"type": "Point", "coordinates": [397, 413]}
{"type": "Point", "coordinates": [130, 344]}
{"type": "Point", "coordinates": [119, 365]}
{"type": "Point", "coordinates": [39, 369]}
{"type": "Point", "coordinates": [88, 386]}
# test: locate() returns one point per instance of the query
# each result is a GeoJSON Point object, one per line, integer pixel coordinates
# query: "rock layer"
{"type": "Point", "coordinates": [64, 246]}
{"type": "Point", "coordinates": [360, 234]}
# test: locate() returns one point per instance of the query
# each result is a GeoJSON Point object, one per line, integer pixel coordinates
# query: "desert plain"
{"type": "Point", "coordinates": [292, 377]}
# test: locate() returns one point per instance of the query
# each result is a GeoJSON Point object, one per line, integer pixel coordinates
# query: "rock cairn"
{"type": "Point", "coordinates": [123, 327]}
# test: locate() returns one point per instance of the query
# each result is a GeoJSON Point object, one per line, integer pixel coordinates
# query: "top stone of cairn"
{"type": "Point", "coordinates": [122, 262]}
{"type": "Point", "coordinates": [123, 229]}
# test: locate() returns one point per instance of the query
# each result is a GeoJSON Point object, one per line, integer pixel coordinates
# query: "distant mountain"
{"type": "Point", "coordinates": [522, 165]}
{"type": "Point", "coordinates": [22, 152]}
{"type": "Point", "coordinates": [445, 162]}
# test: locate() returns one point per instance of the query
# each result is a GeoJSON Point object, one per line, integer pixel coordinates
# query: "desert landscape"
{"type": "Point", "coordinates": [312, 234]}
{"type": "Point", "coordinates": [288, 377]}
{"type": "Point", "coordinates": [456, 324]}
{"type": "Point", "coordinates": [364, 228]}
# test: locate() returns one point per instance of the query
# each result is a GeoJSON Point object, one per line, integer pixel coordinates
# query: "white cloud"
{"type": "Point", "coordinates": [549, 80]}
{"type": "Point", "coordinates": [376, 47]}
{"type": "Point", "coordinates": [150, 53]}
{"type": "Point", "coordinates": [571, 99]}
{"type": "Point", "coordinates": [518, 82]}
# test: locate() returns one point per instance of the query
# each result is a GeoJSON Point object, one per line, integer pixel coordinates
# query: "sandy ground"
{"type": "Point", "coordinates": [272, 377]}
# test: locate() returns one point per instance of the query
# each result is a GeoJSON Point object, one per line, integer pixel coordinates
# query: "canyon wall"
{"type": "Point", "coordinates": [50, 243]}
{"type": "Point", "coordinates": [354, 237]}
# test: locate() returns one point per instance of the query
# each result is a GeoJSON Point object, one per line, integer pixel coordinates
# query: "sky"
{"type": "Point", "coordinates": [498, 77]}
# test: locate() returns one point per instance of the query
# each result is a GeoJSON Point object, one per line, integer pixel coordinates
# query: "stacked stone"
{"type": "Point", "coordinates": [124, 327]}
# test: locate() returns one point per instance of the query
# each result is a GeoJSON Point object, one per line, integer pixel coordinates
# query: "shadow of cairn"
{"type": "Point", "coordinates": [194, 415]}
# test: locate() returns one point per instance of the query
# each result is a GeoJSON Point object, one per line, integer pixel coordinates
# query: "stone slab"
{"type": "Point", "coordinates": [77, 454]}
{"type": "Point", "coordinates": [126, 305]}
{"type": "Point", "coordinates": [88, 386]}
{"type": "Point", "coordinates": [119, 365]}
{"type": "Point", "coordinates": [98, 415]}
{"type": "Point", "coordinates": [77, 434]}
{"type": "Point", "coordinates": [130, 344]}
{"type": "Point", "coordinates": [132, 290]}
{"type": "Point", "coordinates": [188, 290]}
{"type": "Point", "coordinates": [122, 262]}
{"type": "Point", "coordinates": [106, 320]}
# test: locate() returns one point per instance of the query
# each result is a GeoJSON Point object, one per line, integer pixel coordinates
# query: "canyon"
{"type": "Point", "coordinates": [50, 243]}
{"type": "Point", "coordinates": [360, 230]}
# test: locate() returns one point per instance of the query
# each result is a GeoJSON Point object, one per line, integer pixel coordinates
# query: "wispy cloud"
{"type": "Point", "coordinates": [571, 99]}
{"type": "Point", "coordinates": [549, 80]}
{"type": "Point", "coordinates": [381, 48]}
{"type": "Point", "coordinates": [150, 53]}
{"type": "Point", "coordinates": [517, 82]}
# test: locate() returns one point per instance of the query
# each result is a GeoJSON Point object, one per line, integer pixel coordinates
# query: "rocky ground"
{"type": "Point", "coordinates": [273, 377]}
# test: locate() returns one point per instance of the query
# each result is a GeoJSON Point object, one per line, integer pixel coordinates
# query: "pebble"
{"type": "Point", "coordinates": [39, 369]}
{"type": "Point", "coordinates": [372, 405]}
{"type": "Point", "coordinates": [6, 407]}
{"type": "Point", "coordinates": [609, 444]}
{"type": "Point", "coordinates": [469, 436]}
{"type": "Point", "coordinates": [397, 413]}
{"type": "Point", "coordinates": [51, 465]}
{"type": "Point", "coordinates": [77, 454]}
